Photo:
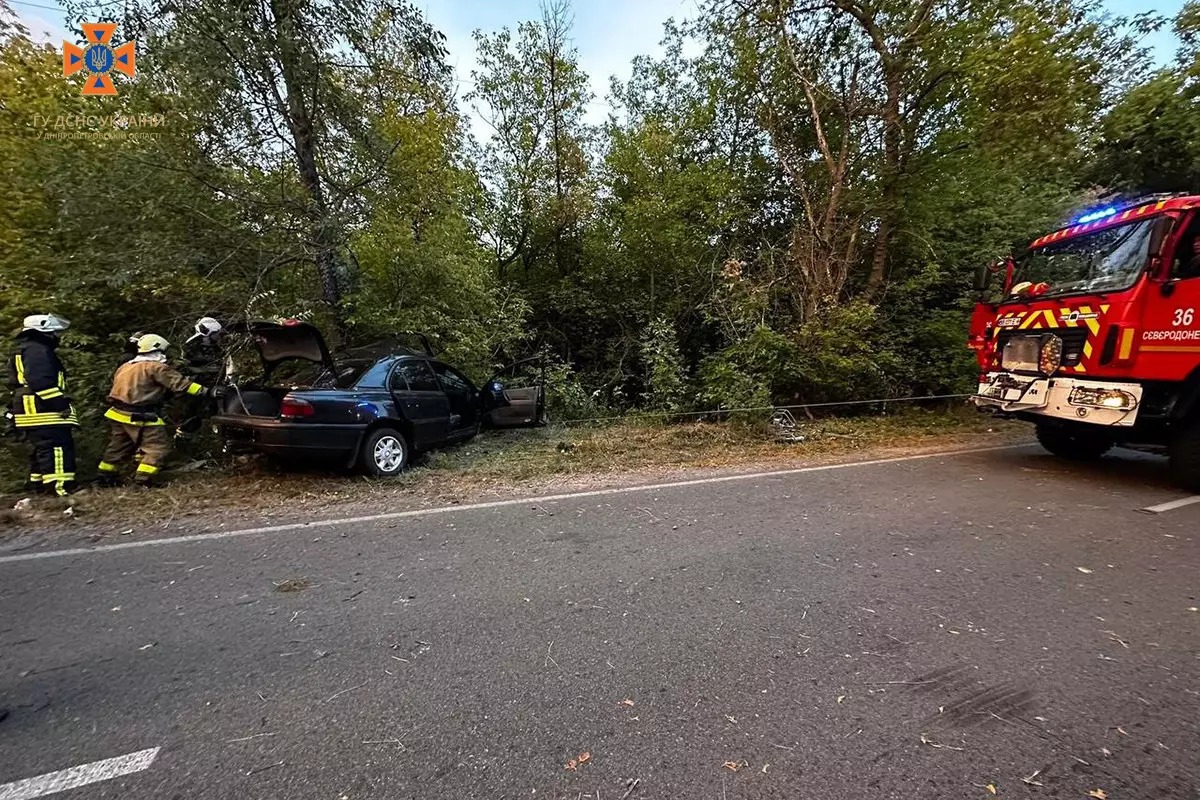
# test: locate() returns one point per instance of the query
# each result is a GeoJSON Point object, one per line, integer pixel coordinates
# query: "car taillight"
{"type": "Point", "coordinates": [294, 407]}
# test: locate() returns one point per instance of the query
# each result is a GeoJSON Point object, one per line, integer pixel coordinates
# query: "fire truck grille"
{"type": "Point", "coordinates": [1073, 340]}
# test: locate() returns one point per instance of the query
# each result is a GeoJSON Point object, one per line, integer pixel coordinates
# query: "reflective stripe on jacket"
{"type": "Point", "coordinates": [39, 382]}
{"type": "Point", "coordinates": [141, 387]}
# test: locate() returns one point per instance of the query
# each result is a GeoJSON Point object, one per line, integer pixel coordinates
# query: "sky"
{"type": "Point", "coordinates": [607, 33]}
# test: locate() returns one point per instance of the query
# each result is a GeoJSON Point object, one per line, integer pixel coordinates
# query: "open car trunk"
{"type": "Point", "coordinates": [254, 402]}
{"type": "Point", "coordinates": [293, 356]}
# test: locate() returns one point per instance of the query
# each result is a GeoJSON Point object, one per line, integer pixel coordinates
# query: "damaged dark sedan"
{"type": "Point", "coordinates": [371, 413]}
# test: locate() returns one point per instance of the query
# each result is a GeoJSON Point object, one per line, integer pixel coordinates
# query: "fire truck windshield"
{"type": "Point", "coordinates": [1096, 263]}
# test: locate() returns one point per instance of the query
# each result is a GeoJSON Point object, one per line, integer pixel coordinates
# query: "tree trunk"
{"type": "Point", "coordinates": [890, 195]}
{"type": "Point", "coordinates": [555, 121]}
{"type": "Point", "coordinates": [323, 231]}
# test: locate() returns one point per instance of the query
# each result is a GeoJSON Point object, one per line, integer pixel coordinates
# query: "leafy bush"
{"type": "Point", "coordinates": [666, 377]}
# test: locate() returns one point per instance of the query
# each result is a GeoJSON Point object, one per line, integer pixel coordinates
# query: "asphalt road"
{"type": "Point", "coordinates": [919, 629]}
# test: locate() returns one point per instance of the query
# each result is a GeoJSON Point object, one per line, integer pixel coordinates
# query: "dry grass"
{"type": "Point", "coordinates": [500, 464]}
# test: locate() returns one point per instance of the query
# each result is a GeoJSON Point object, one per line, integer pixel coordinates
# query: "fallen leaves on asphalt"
{"type": "Point", "coordinates": [991, 787]}
{"type": "Point", "coordinates": [575, 763]}
{"type": "Point", "coordinates": [293, 585]}
{"type": "Point", "coordinates": [734, 766]}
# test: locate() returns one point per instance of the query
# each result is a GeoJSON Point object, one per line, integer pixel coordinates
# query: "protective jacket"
{"type": "Point", "coordinates": [39, 381]}
{"type": "Point", "coordinates": [141, 386]}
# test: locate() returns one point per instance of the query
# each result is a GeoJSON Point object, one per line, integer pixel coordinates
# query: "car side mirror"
{"type": "Point", "coordinates": [983, 277]}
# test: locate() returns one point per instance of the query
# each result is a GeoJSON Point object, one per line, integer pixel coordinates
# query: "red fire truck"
{"type": "Point", "coordinates": [1095, 335]}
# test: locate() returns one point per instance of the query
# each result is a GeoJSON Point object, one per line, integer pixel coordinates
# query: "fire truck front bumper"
{"type": "Point", "coordinates": [1097, 402]}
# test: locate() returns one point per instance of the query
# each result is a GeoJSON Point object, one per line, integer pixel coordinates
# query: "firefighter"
{"type": "Point", "coordinates": [204, 362]}
{"type": "Point", "coordinates": [140, 388]}
{"type": "Point", "coordinates": [202, 351]}
{"type": "Point", "coordinates": [41, 410]}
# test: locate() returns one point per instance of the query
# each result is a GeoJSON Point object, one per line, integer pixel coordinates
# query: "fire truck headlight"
{"type": "Point", "coordinates": [1115, 399]}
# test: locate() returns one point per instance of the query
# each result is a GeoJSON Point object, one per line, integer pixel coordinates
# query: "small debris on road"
{"type": "Point", "coordinates": [633, 784]}
{"type": "Point", "coordinates": [248, 738]}
{"type": "Point", "coordinates": [147, 646]}
{"type": "Point", "coordinates": [1084, 570]}
{"type": "Point", "coordinates": [1113, 637]}
{"type": "Point", "coordinates": [627, 702]}
{"type": "Point", "coordinates": [734, 766]}
{"type": "Point", "coordinates": [257, 770]}
{"type": "Point", "coordinates": [343, 691]}
{"type": "Point", "coordinates": [1099, 794]}
{"type": "Point", "coordinates": [575, 763]}
{"type": "Point", "coordinates": [23, 504]}
{"type": "Point", "coordinates": [293, 585]}
{"type": "Point", "coordinates": [926, 740]}
{"type": "Point", "coordinates": [1032, 779]}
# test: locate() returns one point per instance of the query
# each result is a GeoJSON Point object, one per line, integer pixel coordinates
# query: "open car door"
{"type": "Point", "coordinates": [515, 397]}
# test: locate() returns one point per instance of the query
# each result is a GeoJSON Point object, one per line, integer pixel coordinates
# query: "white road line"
{"type": "Point", "coordinates": [73, 778]}
{"type": "Point", "coordinates": [1171, 506]}
{"type": "Point", "coordinates": [423, 512]}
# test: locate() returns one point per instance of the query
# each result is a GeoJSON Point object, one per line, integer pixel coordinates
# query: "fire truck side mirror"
{"type": "Point", "coordinates": [983, 278]}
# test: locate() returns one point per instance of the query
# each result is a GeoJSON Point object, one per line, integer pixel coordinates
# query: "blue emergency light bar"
{"type": "Point", "coordinates": [1099, 213]}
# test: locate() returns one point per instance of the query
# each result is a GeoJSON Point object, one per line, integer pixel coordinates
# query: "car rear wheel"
{"type": "Point", "coordinates": [1184, 455]}
{"type": "Point", "coordinates": [385, 453]}
{"type": "Point", "coordinates": [1075, 443]}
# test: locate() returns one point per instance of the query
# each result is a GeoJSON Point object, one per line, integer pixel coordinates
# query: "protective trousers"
{"type": "Point", "coordinates": [52, 463]}
{"type": "Point", "coordinates": [125, 440]}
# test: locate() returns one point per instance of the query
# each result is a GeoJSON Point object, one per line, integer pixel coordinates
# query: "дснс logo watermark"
{"type": "Point", "coordinates": [99, 59]}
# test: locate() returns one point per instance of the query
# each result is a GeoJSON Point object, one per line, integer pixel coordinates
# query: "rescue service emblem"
{"type": "Point", "coordinates": [99, 59]}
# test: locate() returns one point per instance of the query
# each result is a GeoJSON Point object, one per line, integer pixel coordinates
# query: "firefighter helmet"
{"type": "Point", "coordinates": [206, 327]}
{"type": "Point", "coordinates": [152, 343]}
{"type": "Point", "coordinates": [46, 323]}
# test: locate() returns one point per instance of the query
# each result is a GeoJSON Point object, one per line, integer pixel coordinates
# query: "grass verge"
{"type": "Point", "coordinates": [503, 464]}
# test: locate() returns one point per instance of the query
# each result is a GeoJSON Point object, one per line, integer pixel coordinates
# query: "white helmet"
{"type": "Point", "coordinates": [46, 323]}
{"type": "Point", "coordinates": [205, 327]}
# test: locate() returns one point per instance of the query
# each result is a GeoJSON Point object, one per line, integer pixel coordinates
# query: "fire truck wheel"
{"type": "Point", "coordinates": [1184, 454]}
{"type": "Point", "coordinates": [1077, 444]}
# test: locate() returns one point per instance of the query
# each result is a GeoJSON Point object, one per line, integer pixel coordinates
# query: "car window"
{"type": "Point", "coordinates": [417, 375]}
{"type": "Point", "coordinates": [452, 380]}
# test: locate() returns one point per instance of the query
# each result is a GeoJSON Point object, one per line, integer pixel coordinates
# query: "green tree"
{"type": "Point", "coordinates": [536, 162]}
{"type": "Point", "coordinates": [1150, 141]}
